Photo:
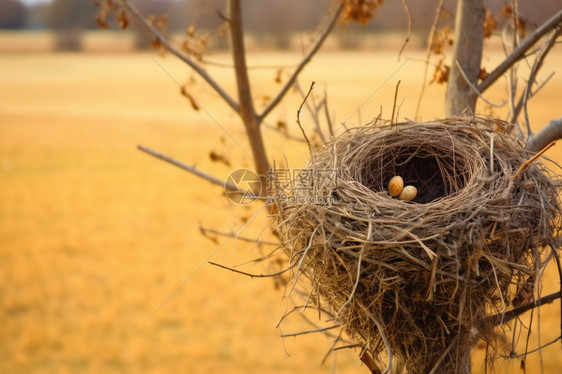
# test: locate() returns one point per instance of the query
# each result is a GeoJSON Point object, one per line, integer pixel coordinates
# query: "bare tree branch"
{"type": "Point", "coordinates": [513, 79]}
{"type": "Point", "coordinates": [320, 329]}
{"type": "Point", "coordinates": [327, 115]}
{"type": "Point", "coordinates": [166, 43]}
{"type": "Point", "coordinates": [500, 318]}
{"type": "Point", "coordinates": [252, 275]}
{"type": "Point", "coordinates": [191, 169]}
{"type": "Point", "coordinates": [313, 109]}
{"type": "Point", "coordinates": [206, 231]}
{"type": "Point", "coordinates": [409, 15]}
{"type": "Point", "coordinates": [545, 136]}
{"type": "Point", "coordinates": [527, 352]}
{"type": "Point", "coordinates": [522, 103]}
{"type": "Point", "coordinates": [299, 117]}
{"type": "Point", "coordinates": [519, 52]}
{"type": "Point", "coordinates": [394, 104]}
{"type": "Point", "coordinates": [303, 63]}
{"type": "Point", "coordinates": [283, 133]}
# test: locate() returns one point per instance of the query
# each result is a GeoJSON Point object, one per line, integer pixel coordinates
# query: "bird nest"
{"type": "Point", "coordinates": [421, 281]}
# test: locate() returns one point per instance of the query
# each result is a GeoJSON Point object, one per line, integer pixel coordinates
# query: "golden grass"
{"type": "Point", "coordinates": [95, 236]}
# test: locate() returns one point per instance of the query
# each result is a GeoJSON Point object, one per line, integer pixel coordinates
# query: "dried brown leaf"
{"type": "Point", "coordinates": [111, 4]}
{"type": "Point", "coordinates": [216, 156]}
{"type": "Point", "coordinates": [122, 19]}
{"type": "Point", "coordinates": [360, 11]}
{"type": "Point", "coordinates": [155, 43]}
{"type": "Point", "coordinates": [521, 26]}
{"type": "Point", "coordinates": [161, 21]}
{"type": "Point", "coordinates": [441, 73]}
{"type": "Point", "coordinates": [101, 21]}
{"type": "Point", "coordinates": [223, 30]}
{"type": "Point", "coordinates": [281, 125]}
{"type": "Point", "coordinates": [490, 24]}
{"type": "Point", "coordinates": [444, 36]}
{"type": "Point", "coordinates": [278, 75]}
{"type": "Point", "coordinates": [194, 104]}
{"type": "Point", "coordinates": [483, 74]}
{"type": "Point", "coordinates": [507, 11]}
{"type": "Point", "coordinates": [445, 14]}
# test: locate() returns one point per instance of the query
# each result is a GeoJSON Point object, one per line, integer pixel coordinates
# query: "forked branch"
{"type": "Point", "coordinates": [161, 38]}
{"type": "Point", "coordinates": [528, 93]}
{"type": "Point", "coordinates": [519, 52]}
{"type": "Point", "coordinates": [246, 109]}
{"type": "Point", "coordinates": [321, 38]}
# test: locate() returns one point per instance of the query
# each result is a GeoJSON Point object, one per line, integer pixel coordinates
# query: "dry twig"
{"type": "Point", "coordinates": [191, 169]}
{"type": "Point", "coordinates": [323, 35]}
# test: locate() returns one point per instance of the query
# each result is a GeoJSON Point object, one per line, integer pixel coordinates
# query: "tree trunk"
{"type": "Point", "coordinates": [247, 111]}
{"type": "Point", "coordinates": [467, 55]}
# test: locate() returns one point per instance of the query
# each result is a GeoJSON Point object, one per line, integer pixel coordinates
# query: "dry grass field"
{"type": "Point", "coordinates": [96, 237]}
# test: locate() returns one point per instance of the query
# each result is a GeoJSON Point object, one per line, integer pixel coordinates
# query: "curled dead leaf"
{"type": "Point", "coordinates": [122, 19]}
{"type": "Point", "coordinates": [219, 157]}
{"type": "Point", "coordinates": [101, 20]}
{"type": "Point", "coordinates": [441, 73]}
{"type": "Point", "coordinates": [281, 125]}
{"type": "Point", "coordinates": [194, 104]}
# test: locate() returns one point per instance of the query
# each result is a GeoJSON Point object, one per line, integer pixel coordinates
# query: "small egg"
{"type": "Point", "coordinates": [408, 193]}
{"type": "Point", "coordinates": [395, 185]}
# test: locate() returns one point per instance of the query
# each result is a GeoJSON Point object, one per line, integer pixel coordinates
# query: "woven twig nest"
{"type": "Point", "coordinates": [419, 279]}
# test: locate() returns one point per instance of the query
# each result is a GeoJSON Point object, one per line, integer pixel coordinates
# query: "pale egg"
{"type": "Point", "coordinates": [408, 193]}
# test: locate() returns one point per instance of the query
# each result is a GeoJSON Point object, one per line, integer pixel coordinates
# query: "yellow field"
{"type": "Point", "coordinates": [96, 236]}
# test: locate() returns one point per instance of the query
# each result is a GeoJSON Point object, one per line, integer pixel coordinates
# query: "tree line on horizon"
{"type": "Point", "coordinates": [274, 20]}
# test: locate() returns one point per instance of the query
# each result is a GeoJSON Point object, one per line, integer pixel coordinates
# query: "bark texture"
{"type": "Point", "coordinates": [467, 55]}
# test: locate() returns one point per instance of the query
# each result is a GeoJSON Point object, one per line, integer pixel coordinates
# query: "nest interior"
{"type": "Point", "coordinates": [418, 280]}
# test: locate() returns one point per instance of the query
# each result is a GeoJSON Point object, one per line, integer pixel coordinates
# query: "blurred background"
{"type": "Point", "coordinates": [271, 24]}
{"type": "Point", "coordinates": [103, 267]}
